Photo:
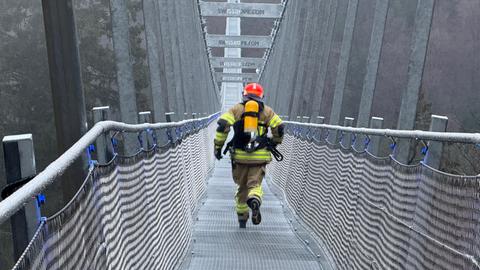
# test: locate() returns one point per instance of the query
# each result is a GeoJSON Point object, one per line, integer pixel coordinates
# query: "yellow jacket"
{"type": "Point", "coordinates": [267, 119]}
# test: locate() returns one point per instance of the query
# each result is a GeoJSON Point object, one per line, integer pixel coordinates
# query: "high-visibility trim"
{"type": "Point", "coordinates": [230, 118]}
{"type": "Point", "coordinates": [261, 131]}
{"type": "Point", "coordinates": [241, 208]}
{"type": "Point", "coordinates": [259, 155]}
{"type": "Point", "coordinates": [220, 136]}
{"type": "Point", "coordinates": [275, 121]}
{"type": "Point", "coordinates": [256, 192]}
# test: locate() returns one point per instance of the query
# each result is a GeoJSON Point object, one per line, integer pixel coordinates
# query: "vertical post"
{"type": "Point", "coordinates": [124, 68]}
{"type": "Point", "coordinates": [343, 64]}
{"type": "Point", "coordinates": [66, 82]}
{"type": "Point", "coordinates": [145, 117]}
{"type": "Point", "coordinates": [374, 145]}
{"type": "Point", "coordinates": [101, 114]}
{"type": "Point", "coordinates": [320, 120]}
{"type": "Point", "coordinates": [156, 62]}
{"type": "Point", "coordinates": [324, 53]}
{"type": "Point", "coordinates": [376, 41]}
{"type": "Point", "coordinates": [170, 116]}
{"type": "Point", "coordinates": [435, 149]}
{"type": "Point", "coordinates": [408, 108]}
{"type": "Point", "coordinates": [194, 115]}
{"type": "Point", "coordinates": [347, 137]}
{"type": "Point", "coordinates": [19, 164]}
{"type": "Point", "coordinates": [121, 44]}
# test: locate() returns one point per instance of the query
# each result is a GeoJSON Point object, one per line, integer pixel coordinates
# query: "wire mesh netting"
{"type": "Point", "coordinates": [374, 213]}
{"type": "Point", "coordinates": [133, 213]}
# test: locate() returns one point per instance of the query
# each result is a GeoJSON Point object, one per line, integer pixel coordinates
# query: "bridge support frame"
{"type": "Point", "coordinates": [145, 117]}
{"type": "Point", "coordinates": [66, 83]}
{"type": "Point", "coordinates": [433, 157]}
{"type": "Point", "coordinates": [374, 144]}
{"type": "Point", "coordinates": [19, 156]}
{"type": "Point", "coordinates": [102, 150]}
{"type": "Point", "coordinates": [347, 137]}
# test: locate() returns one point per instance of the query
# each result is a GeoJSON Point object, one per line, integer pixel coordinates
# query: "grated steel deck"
{"type": "Point", "coordinates": [220, 244]}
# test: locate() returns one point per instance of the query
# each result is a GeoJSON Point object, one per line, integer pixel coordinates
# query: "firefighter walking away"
{"type": "Point", "coordinates": [250, 149]}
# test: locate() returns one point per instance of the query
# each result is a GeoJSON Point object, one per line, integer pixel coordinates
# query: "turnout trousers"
{"type": "Point", "coordinates": [249, 178]}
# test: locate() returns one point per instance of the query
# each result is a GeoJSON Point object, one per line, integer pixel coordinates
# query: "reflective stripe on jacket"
{"type": "Point", "coordinates": [267, 118]}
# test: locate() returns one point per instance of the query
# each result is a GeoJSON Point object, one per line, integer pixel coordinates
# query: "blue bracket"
{"type": "Point", "coordinates": [393, 145]}
{"type": "Point", "coordinates": [40, 201]}
{"type": "Point", "coordinates": [367, 141]}
{"type": "Point", "coordinates": [90, 150]}
{"type": "Point", "coordinates": [327, 134]}
{"type": "Point", "coordinates": [140, 140]}
{"type": "Point", "coordinates": [169, 135]}
{"type": "Point", "coordinates": [154, 136]}
{"type": "Point", "coordinates": [114, 145]}
{"type": "Point", "coordinates": [341, 136]}
{"type": "Point", "coordinates": [424, 150]}
{"type": "Point", "coordinates": [178, 133]}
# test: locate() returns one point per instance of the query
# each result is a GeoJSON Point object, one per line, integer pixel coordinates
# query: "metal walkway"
{"type": "Point", "coordinates": [220, 244]}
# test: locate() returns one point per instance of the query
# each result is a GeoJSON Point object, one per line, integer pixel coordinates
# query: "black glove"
{"type": "Point", "coordinates": [218, 153]}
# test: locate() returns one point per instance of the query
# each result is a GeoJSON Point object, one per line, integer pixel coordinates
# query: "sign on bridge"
{"type": "Point", "coordinates": [236, 77]}
{"type": "Point", "coordinates": [246, 10]}
{"type": "Point", "coordinates": [256, 42]}
{"type": "Point", "coordinates": [220, 62]}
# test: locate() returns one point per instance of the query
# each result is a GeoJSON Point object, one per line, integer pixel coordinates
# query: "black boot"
{"type": "Point", "coordinates": [243, 224]}
{"type": "Point", "coordinates": [242, 220]}
{"type": "Point", "coordinates": [254, 204]}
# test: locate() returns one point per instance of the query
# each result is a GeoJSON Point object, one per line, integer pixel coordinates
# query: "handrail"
{"type": "Point", "coordinates": [18, 199]}
{"type": "Point", "coordinates": [453, 137]}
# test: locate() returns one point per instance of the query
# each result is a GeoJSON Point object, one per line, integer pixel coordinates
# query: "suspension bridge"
{"type": "Point", "coordinates": [154, 197]}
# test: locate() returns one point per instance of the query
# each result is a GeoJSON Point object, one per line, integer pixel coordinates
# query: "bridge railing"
{"type": "Point", "coordinates": [376, 213]}
{"type": "Point", "coordinates": [133, 212]}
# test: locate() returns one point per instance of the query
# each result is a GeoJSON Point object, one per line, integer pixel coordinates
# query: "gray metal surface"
{"type": "Point", "coordinates": [220, 244]}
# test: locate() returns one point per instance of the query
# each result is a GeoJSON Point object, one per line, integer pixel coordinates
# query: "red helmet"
{"type": "Point", "coordinates": [253, 90]}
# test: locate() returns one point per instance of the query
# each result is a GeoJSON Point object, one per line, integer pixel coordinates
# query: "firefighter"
{"type": "Point", "coordinates": [250, 149]}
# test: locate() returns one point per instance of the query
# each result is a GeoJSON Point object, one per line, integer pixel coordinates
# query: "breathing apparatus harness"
{"type": "Point", "coordinates": [247, 132]}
